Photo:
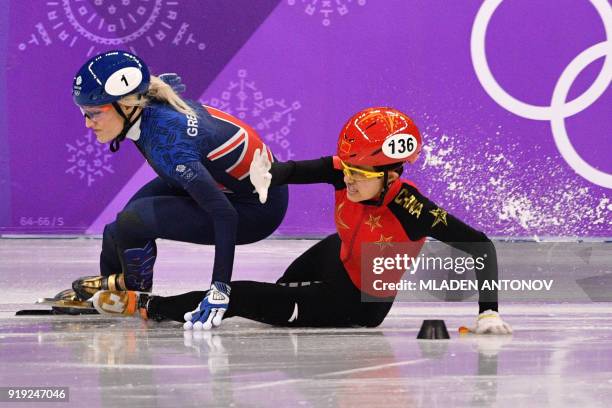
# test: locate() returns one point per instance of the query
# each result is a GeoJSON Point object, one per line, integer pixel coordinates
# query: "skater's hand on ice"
{"type": "Point", "coordinates": [489, 322]}
{"type": "Point", "coordinates": [259, 174]}
{"type": "Point", "coordinates": [175, 82]}
{"type": "Point", "coordinates": [210, 311]}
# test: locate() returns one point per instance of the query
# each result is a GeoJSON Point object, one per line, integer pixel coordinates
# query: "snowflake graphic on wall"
{"type": "Point", "coordinates": [326, 8]}
{"type": "Point", "coordinates": [88, 160]}
{"type": "Point", "coordinates": [97, 24]}
{"type": "Point", "coordinates": [272, 118]}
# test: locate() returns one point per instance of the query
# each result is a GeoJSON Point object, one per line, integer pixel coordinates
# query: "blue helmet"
{"type": "Point", "coordinates": [108, 77]}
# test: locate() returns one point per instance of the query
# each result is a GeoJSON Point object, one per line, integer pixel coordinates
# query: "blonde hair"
{"type": "Point", "coordinates": [162, 92]}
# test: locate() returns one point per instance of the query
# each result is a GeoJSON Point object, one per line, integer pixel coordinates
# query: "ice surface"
{"type": "Point", "coordinates": [560, 354]}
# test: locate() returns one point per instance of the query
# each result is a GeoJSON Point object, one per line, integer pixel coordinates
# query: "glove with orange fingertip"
{"type": "Point", "coordinates": [488, 322]}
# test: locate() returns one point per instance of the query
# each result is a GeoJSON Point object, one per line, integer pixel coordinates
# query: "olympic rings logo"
{"type": "Point", "coordinates": [559, 108]}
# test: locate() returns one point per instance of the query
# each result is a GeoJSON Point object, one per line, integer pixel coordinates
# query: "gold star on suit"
{"type": "Point", "coordinates": [339, 221]}
{"type": "Point", "coordinates": [384, 242]}
{"type": "Point", "coordinates": [373, 222]}
{"type": "Point", "coordinates": [440, 216]}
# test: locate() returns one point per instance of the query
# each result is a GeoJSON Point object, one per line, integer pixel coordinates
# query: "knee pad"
{"type": "Point", "coordinates": [137, 266]}
{"type": "Point", "coordinates": [130, 230]}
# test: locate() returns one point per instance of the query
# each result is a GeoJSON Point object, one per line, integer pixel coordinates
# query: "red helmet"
{"type": "Point", "coordinates": [379, 136]}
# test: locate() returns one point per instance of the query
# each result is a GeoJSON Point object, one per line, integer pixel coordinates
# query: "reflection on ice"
{"type": "Point", "coordinates": [560, 354]}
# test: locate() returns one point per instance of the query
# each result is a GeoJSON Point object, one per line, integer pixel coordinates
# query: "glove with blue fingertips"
{"type": "Point", "coordinates": [211, 309]}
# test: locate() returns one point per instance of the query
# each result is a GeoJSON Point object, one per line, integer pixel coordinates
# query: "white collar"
{"type": "Point", "coordinates": [134, 132]}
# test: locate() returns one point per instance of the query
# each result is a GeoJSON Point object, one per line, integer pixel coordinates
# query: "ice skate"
{"type": "Point", "coordinates": [86, 286]}
{"type": "Point", "coordinates": [121, 303]}
{"type": "Point", "coordinates": [67, 302]}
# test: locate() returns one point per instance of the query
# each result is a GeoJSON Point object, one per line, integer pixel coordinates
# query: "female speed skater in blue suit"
{"type": "Point", "coordinates": [202, 193]}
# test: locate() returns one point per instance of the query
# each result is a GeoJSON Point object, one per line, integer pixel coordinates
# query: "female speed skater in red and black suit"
{"type": "Point", "coordinates": [202, 193]}
{"type": "Point", "coordinates": [323, 287]}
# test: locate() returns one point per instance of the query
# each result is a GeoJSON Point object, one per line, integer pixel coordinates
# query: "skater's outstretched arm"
{"type": "Point", "coordinates": [320, 170]}
{"type": "Point", "coordinates": [433, 221]}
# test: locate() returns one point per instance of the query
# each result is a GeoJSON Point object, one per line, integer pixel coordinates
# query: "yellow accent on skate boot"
{"type": "Point", "coordinates": [66, 299]}
{"type": "Point", "coordinates": [86, 286]}
{"type": "Point", "coordinates": [116, 282]}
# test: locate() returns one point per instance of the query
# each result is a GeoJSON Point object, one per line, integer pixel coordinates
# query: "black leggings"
{"type": "Point", "coordinates": [315, 291]}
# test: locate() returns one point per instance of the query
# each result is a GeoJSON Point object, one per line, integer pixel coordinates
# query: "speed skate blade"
{"type": "Point", "coordinates": [73, 304]}
{"type": "Point", "coordinates": [35, 312]}
{"type": "Point", "coordinates": [69, 305]}
{"type": "Point", "coordinates": [56, 311]}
